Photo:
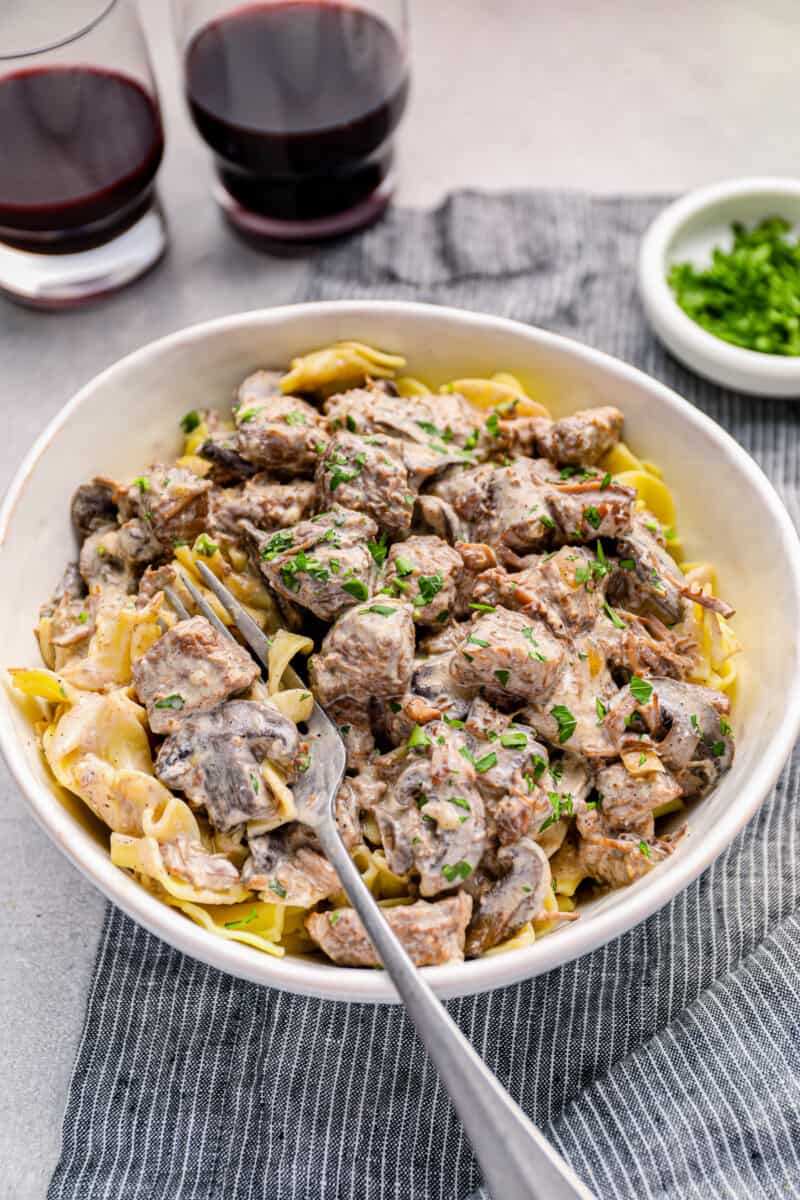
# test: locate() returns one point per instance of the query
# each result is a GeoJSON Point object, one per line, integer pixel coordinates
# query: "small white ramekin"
{"type": "Point", "coordinates": [688, 229]}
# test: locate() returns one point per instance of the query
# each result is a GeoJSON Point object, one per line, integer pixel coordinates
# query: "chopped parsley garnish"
{"type": "Point", "coordinates": [474, 641]}
{"type": "Point", "coordinates": [483, 608]}
{"type": "Point", "coordinates": [174, 700]}
{"type": "Point", "coordinates": [378, 550]}
{"type": "Point", "coordinates": [247, 415]}
{"type": "Point", "coordinates": [502, 676]}
{"type": "Point", "coordinates": [395, 706]}
{"type": "Point", "coordinates": [83, 617]}
{"type": "Point", "coordinates": [539, 766]}
{"type": "Point", "coordinates": [357, 588]}
{"type": "Point", "coordinates": [452, 722]}
{"type": "Point", "coordinates": [248, 920]}
{"type": "Point", "coordinates": [694, 722]}
{"type": "Point", "coordinates": [725, 727]}
{"type": "Point", "coordinates": [304, 762]}
{"type": "Point", "coordinates": [605, 481]}
{"type": "Point", "coordinates": [460, 802]}
{"type": "Point", "coordinates": [548, 522]}
{"type": "Point", "coordinates": [561, 805]}
{"type": "Point", "coordinates": [641, 690]}
{"type": "Point", "coordinates": [334, 917]}
{"type": "Point", "coordinates": [403, 566]}
{"type": "Point", "coordinates": [295, 418]}
{"type": "Point", "coordinates": [255, 785]}
{"type": "Point", "coordinates": [350, 422]}
{"type": "Point", "coordinates": [613, 618]}
{"type": "Point", "coordinates": [493, 424]}
{"type": "Point", "coordinates": [303, 562]}
{"type": "Point", "coordinates": [429, 586]}
{"type": "Point", "coordinates": [565, 720]}
{"type": "Point", "coordinates": [345, 729]}
{"type": "Point", "coordinates": [277, 888]}
{"type": "Point", "coordinates": [568, 472]}
{"type": "Point", "coordinates": [142, 483]}
{"type": "Point", "coordinates": [471, 440]}
{"type": "Point", "coordinates": [341, 470]}
{"type": "Point", "coordinates": [205, 546]}
{"type": "Point", "coordinates": [190, 421]}
{"type": "Point", "coordinates": [591, 515]}
{"type": "Point", "coordinates": [642, 759]}
{"type": "Point", "coordinates": [460, 870]}
{"type": "Point", "coordinates": [627, 564]}
{"type": "Point", "coordinates": [645, 849]}
{"type": "Point", "coordinates": [280, 541]}
{"type": "Point", "coordinates": [486, 763]}
{"type": "Point", "coordinates": [718, 749]}
{"type": "Point", "coordinates": [383, 610]}
{"type": "Point", "coordinates": [601, 710]}
{"type": "Point", "coordinates": [514, 739]}
{"type": "Point", "coordinates": [582, 574]}
{"type": "Point", "coordinates": [419, 738]}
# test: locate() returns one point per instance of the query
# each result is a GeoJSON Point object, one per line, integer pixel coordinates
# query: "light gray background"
{"type": "Point", "coordinates": [607, 95]}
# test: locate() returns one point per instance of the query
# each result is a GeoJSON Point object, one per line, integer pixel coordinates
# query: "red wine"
{"type": "Point", "coordinates": [298, 102]}
{"type": "Point", "coordinates": [79, 149]}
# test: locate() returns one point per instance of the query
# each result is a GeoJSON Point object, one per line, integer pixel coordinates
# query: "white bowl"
{"type": "Point", "coordinates": [688, 230]}
{"type": "Point", "coordinates": [129, 415]}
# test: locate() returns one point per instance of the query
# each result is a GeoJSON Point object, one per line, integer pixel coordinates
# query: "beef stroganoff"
{"type": "Point", "coordinates": [491, 604]}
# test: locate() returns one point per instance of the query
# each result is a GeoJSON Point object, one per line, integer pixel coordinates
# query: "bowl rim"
{"type": "Point", "coordinates": [664, 310]}
{"type": "Point", "coordinates": [304, 976]}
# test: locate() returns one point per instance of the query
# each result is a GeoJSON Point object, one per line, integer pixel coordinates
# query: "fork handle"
{"type": "Point", "coordinates": [517, 1161]}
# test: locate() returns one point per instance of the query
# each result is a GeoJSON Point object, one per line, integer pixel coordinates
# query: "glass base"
{"type": "Point", "coordinates": [273, 229]}
{"type": "Point", "coordinates": [63, 280]}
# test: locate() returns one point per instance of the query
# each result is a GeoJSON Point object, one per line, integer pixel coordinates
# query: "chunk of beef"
{"type": "Point", "coordinates": [476, 558]}
{"type": "Point", "coordinates": [323, 564]}
{"type": "Point", "coordinates": [565, 589]}
{"type": "Point", "coordinates": [648, 581]}
{"type": "Point", "coordinates": [105, 569]}
{"type": "Point", "coordinates": [94, 507]}
{"type": "Point", "coordinates": [582, 438]}
{"type": "Point", "coordinates": [190, 861]}
{"type": "Point", "coordinates": [572, 714]}
{"type": "Point", "coordinates": [369, 476]}
{"type": "Point", "coordinates": [447, 419]}
{"type": "Point", "coordinates": [426, 571]}
{"type": "Point", "coordinates": [367, 653]}
{"type": "Point", "coordinates": [73, 620]}
{"type": "Point", "coordinates": [514, 655]}
{"type": "Point", "coordinates": [431, 933]}
{"type": "Point", "coordinates": [508, 762]}
{"type": "Point", "coordinates": [288, 867]}
{"type": "Point", "coordinates": [615, 862]}
{"type": "Point", "coordinates": [262, 501]}
{"type": "Point", "coordinates": [190, 669]}
{"type": "Point", "coordinates": [628, 802]}
{"type": "Point", "coordinates": [276, 432]}
{"type": "Point", "coordinates": [516, 898]}
{"type": "Point", "coordinates": [431, 818]}
{"type": "Point", "coordinates": [584, 512]}
{"type": "Point", "coordinates": [501, 505]}
{"type": "Point", "coordinates": [645, 646]}
{"type": "Point", "coordinates": [215, 757]}
{"type": "Point", "coordinates": [168, 504]}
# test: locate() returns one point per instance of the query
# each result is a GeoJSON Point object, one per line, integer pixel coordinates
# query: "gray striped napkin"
{"type": "Point", "coordinates": [664, 1065]}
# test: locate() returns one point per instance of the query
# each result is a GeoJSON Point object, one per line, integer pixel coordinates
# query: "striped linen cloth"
{"type": "Point", "coordinates": [664, 1065]}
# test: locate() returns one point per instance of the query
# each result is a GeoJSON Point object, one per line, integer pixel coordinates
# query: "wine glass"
{"type": "Point", "coordinates": [81, 141]}
{"type": "Point", "coordinates": [298, 103]}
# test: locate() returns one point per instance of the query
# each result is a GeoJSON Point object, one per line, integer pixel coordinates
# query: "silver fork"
{"type": "Point", "coordinates": [518, 1163]}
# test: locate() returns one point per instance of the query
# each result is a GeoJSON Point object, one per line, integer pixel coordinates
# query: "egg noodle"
{"type": "Point", "coordinates": [93, 732]}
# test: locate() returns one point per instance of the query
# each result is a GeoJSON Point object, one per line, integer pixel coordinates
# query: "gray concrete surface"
{"type": "Point", "coordinates": [614, 96]}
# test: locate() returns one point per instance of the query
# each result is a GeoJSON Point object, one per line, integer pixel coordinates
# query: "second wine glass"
{"type": "Point", "coordinates": [298, 102]}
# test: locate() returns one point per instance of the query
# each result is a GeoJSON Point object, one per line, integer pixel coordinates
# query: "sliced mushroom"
{"type": "Point", "coordinates": [513, 900]}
